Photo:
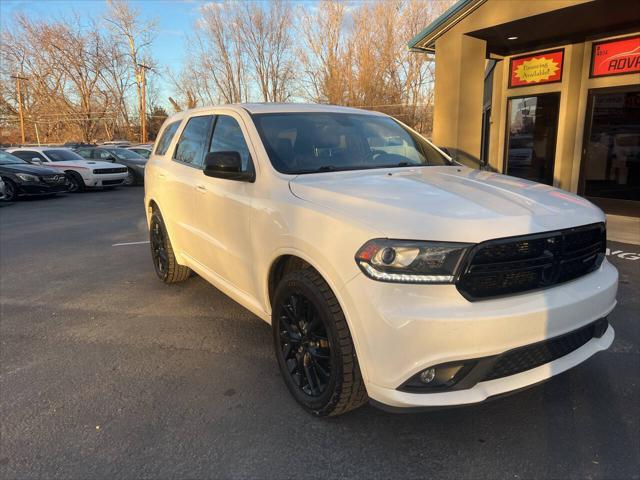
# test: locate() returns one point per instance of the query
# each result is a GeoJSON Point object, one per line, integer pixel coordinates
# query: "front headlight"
{"type": "Point", "coordinates": [25, 177]}
{"type": "Point", "coordinates": [408, 261]}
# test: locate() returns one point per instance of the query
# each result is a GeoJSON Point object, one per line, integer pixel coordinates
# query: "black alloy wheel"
{"type": "Point", "coordinates": [10, 191]}
{"type": "Point", "coordinates": [305, 345]}
{"type": "Point", "coordinates": [159, 250]}
{"type": "Point", "coordinates": [164, 260]}
{"type": "Point", "coordinates": [313, 345]}
{"type": "Point", "coordinates": [74, 182]}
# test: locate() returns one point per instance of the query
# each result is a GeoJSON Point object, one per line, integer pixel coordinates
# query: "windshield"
{"type": "Point", "coordinates": [63, 155]}
{"type": "Point", "coordinates": [8, 159]}
{"type": "Point", "coordinates": [317, 142]}
{"type": "Point", "coordinates": [124, 153]}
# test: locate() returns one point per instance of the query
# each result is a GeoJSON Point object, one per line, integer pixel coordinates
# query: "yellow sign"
{"type": "Point", "coordinates": [537, 70]}
{"type": "Point", "coordinates": [541, 68]}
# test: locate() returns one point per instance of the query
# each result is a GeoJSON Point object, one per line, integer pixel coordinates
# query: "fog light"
{"type": "Point", "coordinates": [428, 375]}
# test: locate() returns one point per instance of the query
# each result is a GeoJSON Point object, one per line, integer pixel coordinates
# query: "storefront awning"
{"type": "Point", "coordinates": [575, 24]}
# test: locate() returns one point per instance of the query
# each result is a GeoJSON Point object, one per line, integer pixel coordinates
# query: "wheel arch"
{"type": "Point", "coordinates": [291, 260]}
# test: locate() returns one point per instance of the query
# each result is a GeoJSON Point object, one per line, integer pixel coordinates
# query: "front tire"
{"type": "Point", "coordinates": [130, 179]}
{"type": "Point", "coordinates": [314, 347]}
{"type": "Point", "coordinates": [164, 259]}
{"type": "Point", "coordinates": [10, 191]}
{"type": "Point", "coordinates": [75, 183]}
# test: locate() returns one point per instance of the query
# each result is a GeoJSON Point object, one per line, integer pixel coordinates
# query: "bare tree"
{"type": "Point", "coordinates": [221, 58]}
{"type": "Point", "coordinates": [266, 36]}
{"type": "Point", "coordinates": [135, 36]}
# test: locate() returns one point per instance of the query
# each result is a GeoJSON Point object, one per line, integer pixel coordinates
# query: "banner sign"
{"type": "Point", "coordinates": [615, 57]}
{"type": "Point", "coordinates": [544, 67]}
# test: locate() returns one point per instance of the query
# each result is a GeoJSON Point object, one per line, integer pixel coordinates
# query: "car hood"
{"type": "Point", "coordinates": [446, 203]}
{"type": "Point", "coordinates": [87, 164]}
{"type": "Point", "coordinates": [27, 168]}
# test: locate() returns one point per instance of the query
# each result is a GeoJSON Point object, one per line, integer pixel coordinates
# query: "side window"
{"type": "Point", "coordinates": [104, 154]}
{"type": "Point", "coordinates": [194, 141]}
{"type": "Point", "coordinates": [84, 152]}
{"type": "Point", "coordinates": [167, 136]}
{"type": "Point", "coordinates": [228, 137]}
{"type": "Point", "coordinates": [28, 155]}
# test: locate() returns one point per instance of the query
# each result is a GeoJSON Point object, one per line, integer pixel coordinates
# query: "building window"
{"type": "Point", "coordinates": [532, 125]}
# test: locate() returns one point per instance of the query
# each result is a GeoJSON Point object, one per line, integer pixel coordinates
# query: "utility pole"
{"type": "Point", "coordinates": [20, 110]}
{"type": "Point", "coordinates": [143, 102]}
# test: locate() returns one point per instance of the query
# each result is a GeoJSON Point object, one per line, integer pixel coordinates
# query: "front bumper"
{"type": "Point", "coordinates": [104, 179]}
{"type": "Point", "coordinates": [35, 189]}
{"type": "Point", "coordinates": [400, 330]}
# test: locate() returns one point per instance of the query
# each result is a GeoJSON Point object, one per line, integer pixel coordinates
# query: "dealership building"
{"type": "Point", "coordinates": [547, 90]}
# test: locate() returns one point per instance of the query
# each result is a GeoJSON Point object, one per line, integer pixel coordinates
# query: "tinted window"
{"type": "Point", "coordinates": [167, 136]}
{"type": "Point", "coordinates": [84, 152]}
{"type": "Point", "coordinates": [62, 155]}
{"type": "Point", "coordinates": [126, 154]}
{"type": "Point", "coordinates": [194, 140]}
{"type": "Point", "coordinates": [228, 137]}
{"type": "Point", "coordinates": [312, 142]}
{"type": "Point", "coordinates": [27, 155]}
{"type": "Point", "coordinates": [103, 154]}
{"type": "Point", "coordinates": [8, 159]}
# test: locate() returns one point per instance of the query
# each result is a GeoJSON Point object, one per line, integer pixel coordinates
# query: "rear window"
{"type": "Point", "coordinates": [165, 139]}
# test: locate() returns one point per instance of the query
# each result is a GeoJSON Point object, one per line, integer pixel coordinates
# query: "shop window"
{"type": "Point", "coordinates": [611, 157]}
{"type": "Point", "coordinates": [532, 126]}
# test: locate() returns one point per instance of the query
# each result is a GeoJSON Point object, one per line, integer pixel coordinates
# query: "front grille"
{"type": "Point", "coordinates": [110, 170]}
{"type": "Point", "coordinates": [532, 356]}
{"type": "Point", "coordinates": [59, 179]}
{"type": "Point", "coordinates": [519, 264]}
{"type": "Point", "coordinates": [111, 182]}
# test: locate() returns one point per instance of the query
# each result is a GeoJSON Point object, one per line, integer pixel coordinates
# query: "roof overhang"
{"type": "Point", "coordinates": [425, 41]}
{"type": "Point", "coordinates": [564, 26]}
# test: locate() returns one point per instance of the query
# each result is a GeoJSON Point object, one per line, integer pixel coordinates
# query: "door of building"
{"type": "Point", "coordinates": [532, 126]}
{"type": "Point", "coordinates": [611, 153]}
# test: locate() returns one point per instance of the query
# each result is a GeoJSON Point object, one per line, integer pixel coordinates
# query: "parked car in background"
{"type": "Point", "coordinates": [135, 163]}
{"type": "Point", "coordinates": [387, 272]}
{"type": "Point", "coordinates": [116, 143]}
{"type": "Point", "coordinates": [1, 189]}
{"type": "Point", "coordinates": [73, 145]}
{"type": "Point", "coordinates": [23, 179]}
{"type": "Point", "coordinates": [142, 150]}
{"type": "Point", "coordinates": [80, 173]}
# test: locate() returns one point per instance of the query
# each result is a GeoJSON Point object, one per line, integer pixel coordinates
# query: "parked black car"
{"type": "Point", "coordinates": [135, 163]}
{"type": "Point", "coordinates": [22, 178]}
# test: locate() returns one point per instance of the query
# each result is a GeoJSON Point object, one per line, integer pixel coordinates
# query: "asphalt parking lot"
{"type": "Point", "coordinates": [107, 372]}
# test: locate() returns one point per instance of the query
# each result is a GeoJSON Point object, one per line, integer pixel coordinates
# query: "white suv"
{"type": "Point", "coordinates": [387, 272]}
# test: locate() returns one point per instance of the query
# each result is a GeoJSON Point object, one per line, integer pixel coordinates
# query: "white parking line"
{"type": "Point", "coordinates": [129, 243]}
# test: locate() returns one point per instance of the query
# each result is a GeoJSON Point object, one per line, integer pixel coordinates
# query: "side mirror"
{"type": "Point", "coordinates": [36, 161]}
{"type": "Point", "coordinates": [227, 165]}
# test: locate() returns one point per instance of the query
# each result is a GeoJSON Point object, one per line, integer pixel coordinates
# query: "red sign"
{"type": "Point", "coordinates": [615, 57]}
{"type": "Point", "coordinates": [544, 67]}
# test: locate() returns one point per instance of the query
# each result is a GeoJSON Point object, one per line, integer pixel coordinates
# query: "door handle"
{"type": "Point", "coordinates": [201, 188]}
{"type": "Point", "coordinates": [162, 176]}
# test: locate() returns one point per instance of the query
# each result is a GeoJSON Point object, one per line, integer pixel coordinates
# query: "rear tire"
{"type": "Point", "coordinates": [164, 260]}
{"type": "Point", "coordinates": [314, 347]}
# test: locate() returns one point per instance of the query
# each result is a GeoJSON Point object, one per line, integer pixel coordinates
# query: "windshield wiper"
{"type": "Point", "coordinates": [326, 168]}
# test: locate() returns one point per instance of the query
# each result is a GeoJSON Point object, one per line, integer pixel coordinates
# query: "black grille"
{"type": "Point", "coordinates": [519, 264]}
{"type": "Point", "coordinates": [110, 170]}
{"type": "Point", "coordinates": [111, 182]}
{"type": "Point", "coordinates": [58, 179]}
{"type": "Point", "coordinates": [532, 356]}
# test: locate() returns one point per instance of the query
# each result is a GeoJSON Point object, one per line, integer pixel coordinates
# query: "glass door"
{"type": "Point", "coordinates": [611, 153]}
{"type": "Point", "coordinates": [532, 126]}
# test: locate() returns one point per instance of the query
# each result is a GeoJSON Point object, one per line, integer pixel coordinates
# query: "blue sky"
{"type": "Point", "coordinates": [175, 19]}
